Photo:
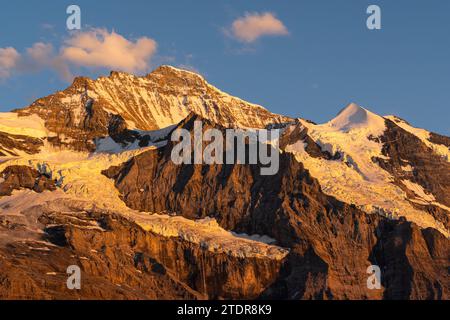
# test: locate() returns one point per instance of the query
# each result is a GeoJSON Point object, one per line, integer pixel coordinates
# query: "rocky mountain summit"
{"type": "Point", "coordinates": [87, 179]}
{"type": "Point", "coordinates": [122, 104]}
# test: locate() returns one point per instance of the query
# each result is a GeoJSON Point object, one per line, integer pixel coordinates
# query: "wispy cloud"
{"type": "Point", "coordinates": [253, 26]}
{"type": "Point", "coordinates": [95, 48]}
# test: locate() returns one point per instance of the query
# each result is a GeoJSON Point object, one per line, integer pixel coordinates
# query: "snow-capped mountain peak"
{"type": "Point", "coordinates": [378, 156]}
{"type": "Point", "coordinates": [84, 111]}
{"type": "Point", "coordinates": [354, 116]}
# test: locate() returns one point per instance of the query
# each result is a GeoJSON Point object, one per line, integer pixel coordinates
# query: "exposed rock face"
{"type": "Point", "coordinates": [439, 139]}
{"type": "Point", "coordinates": [298, 133]}
{"type": "Point", "coordinates": [428, 169]}
{"type": "Point", "coordinates": [120, 260]}
{"type": "Point", "coordinates": [420, 257]}
{"type": "Point", "coordinates": [332, 243]}
{"type": "Point", "coordinates": [10, 144]}
{"type": "Point", "coordinates": [17, 177]}
{"type": "Point", "coordinates": [90, 109]}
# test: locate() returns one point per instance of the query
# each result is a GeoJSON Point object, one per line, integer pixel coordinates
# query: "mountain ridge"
{"type": "Point", "coordinates": [164, 97]}
{"type": "Point", "coordinates": [80, 177]}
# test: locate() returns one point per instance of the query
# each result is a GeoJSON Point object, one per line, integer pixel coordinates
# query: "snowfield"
{"type": "Point", "coordinates": [32, 126]}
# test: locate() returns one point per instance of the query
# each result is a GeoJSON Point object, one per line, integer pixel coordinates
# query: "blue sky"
{"type": "Point", "coordinates": [328, 58]}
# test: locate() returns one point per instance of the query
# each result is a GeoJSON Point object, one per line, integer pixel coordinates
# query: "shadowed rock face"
{"type": "Point", "coordinates": [416, 254]}
{"type": "Point", "coordinates": [429, 170]}
{"type": "Point", "coordinates": [120, 260]}
{"type": "Point", "coordinates": [332, 243]}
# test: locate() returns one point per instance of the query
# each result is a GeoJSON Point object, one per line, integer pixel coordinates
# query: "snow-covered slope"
{"type": "Point", "coordinates": [21, 135]}
{"type": "Point", "coordinates": [354, 177]}
{"type": "Point", "coordinates": [32, 126]}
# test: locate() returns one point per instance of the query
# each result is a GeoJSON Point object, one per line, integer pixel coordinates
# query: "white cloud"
{"type": "Point", "coordinates": [9, 58]}
{"type": "Point", "coordinates": [255, 25]}
{"type": "Point", "coordinates": [96, 48]}
{"type": "Point", "coordinates": [100, 48]}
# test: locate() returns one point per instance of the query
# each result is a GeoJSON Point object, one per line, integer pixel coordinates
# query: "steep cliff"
{"type": "Point", "coordinates": [121, 259]}
{"type": "Point", "coordinates": [332, 243]}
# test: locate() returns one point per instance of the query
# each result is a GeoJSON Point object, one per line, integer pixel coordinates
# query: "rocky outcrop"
{"type": "Point", "coordinates": [299, 133]}
{"type": "Point", "coordinates": [439, 139]}
{"type": "Point", "coordinates": [421, 260]}
{"type": "Point", "coordinates": [430, 170]}
{"type": "Point", "coordinates": [17, 177]}
{"type": "Point", "coordinates": [12, 144]}
{"type": "Point", "coordinates": [72, 116]}
{"type": "Point", "coordinates": [332, 243]}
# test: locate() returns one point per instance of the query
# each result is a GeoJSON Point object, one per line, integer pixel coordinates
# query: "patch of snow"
{"type": "Point", "coordinates": [256, 237]}
{"type": "Point", "coordinates": [107, 145]}
{"type": "Point", "coordinates": [15, 209]}
{"type": "Point", "coordinates": [79, 173]}
{"type": "Point", "coordinates": [21, 200]}
{"type": "Point", "coordinates": [45, 249]}
{"type": "Point", "coordinates": [156, 139]}
{"type": "Point", "coordinates": [407, 168]}
{"type": "Point", "coordinates": [32, 126]}
{"type": "Point", "coordinates": [297, 147]}
{"type": "Point", "coordinates": [418, 190]}
{"type": "Point", "coordinates": [210, 236]}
